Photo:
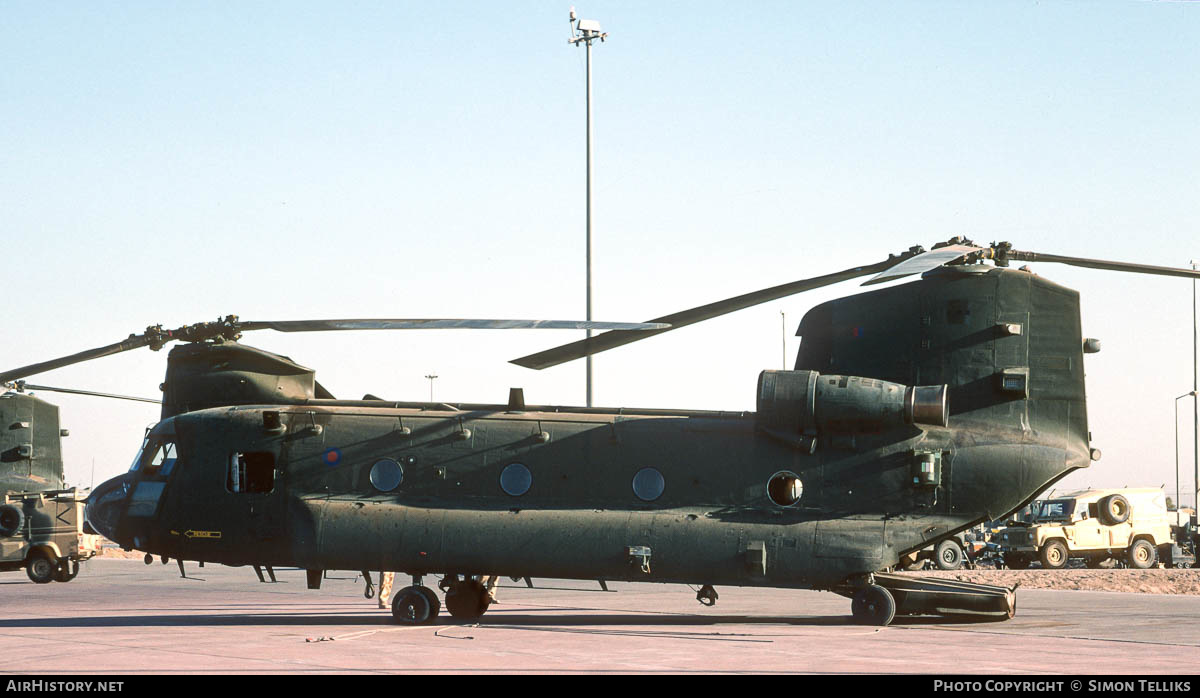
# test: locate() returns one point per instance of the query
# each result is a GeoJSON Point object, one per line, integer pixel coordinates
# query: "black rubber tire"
{"type": "Point", "coordinates": [12, 520]}
{"type": "Point", "coordinates": [67, 570]}
{"type": "Point", "coordinates": [41, 567]}
{"type": "Point", "coordinates": [1054, 555]}
{"type": "Point", "coordinates": [1142, 555]}
{"type": "Point", "coordinates": [466, 600]}
{"type": "Point", "coordinates": [435, 604]}
{"type": "Point", "coordinates": [873, 605]}
{"type": "Point", "coordinates": [1114, 509]}
{"type": "Point", "coordinates": [948, 555]}
{"type": "Point", "coordinates": [1017, 561]}
{"type": "Point", "coordinates": [411, 607]}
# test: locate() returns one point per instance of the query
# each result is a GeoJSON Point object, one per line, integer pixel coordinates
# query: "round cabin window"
{"type": "Point", "coordinates": [515, 479]}
{"type": "Point", "coordinates": [648, 484]}
{"type": "Point", "coordinates": [386, 475]}
{"type": "Point", "coordinates": [785, 488]}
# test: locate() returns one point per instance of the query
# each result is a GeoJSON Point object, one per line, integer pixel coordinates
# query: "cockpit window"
{"type": "Point", "coordinates": [137, 460]}
{"type": "Point", "coordinates": [251, 472]}
{"type": "Point", "coordinates": [163, 460]}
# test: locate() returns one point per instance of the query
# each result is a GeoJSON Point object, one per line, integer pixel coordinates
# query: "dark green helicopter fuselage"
{"type": "Point", "coordinates": [649, 495]}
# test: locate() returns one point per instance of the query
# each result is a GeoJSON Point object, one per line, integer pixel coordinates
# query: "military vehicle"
{"type": "Point", "coordinates": [44, 533]}
{"type": "Point", "coordinates": [913, 412]}
{"type": "Point", "coordinates": [1129, 524]}
{"type": "Point", "coordinates": [42, 524]}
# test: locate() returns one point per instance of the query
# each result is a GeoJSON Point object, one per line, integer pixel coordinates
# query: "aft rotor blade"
{"type": "Point", "coordinates": [612, 340]}
{"type": "Point", "coordinates": [27, 386]}
{"type": "Point", "coordinates": [444, 324]}
{"type": "Point", "coordinates": [1020, 256]}
{"type": "Point", "coordinates": [923, 263]}
{"type": "Point", "coordinates": [134, 342]}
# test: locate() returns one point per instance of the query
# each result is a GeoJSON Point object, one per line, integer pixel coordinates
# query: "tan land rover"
{"type": "Point", "coordinates": [43, 532]}
{"type": "Point", "coordinates": [1132, 525]}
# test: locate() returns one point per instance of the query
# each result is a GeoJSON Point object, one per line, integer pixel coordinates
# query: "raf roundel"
{"type": "Point", "coordinates": [331, 456]}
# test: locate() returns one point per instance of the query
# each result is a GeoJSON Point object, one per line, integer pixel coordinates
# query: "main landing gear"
{"type": "Point", "coordinates": [466, 600]}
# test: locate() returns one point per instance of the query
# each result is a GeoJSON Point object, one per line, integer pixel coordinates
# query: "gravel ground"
{"type": "Point", "coordinates": [1153, 581]}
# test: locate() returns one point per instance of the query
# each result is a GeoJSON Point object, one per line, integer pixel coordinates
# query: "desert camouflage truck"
{"type": "Point", "coordinates": [1131, 524]}
{"type": "Point", "coordinates": [43, 532]}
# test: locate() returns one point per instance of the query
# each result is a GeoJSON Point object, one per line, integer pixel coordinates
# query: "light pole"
{"type": "Point", "coordinates": [585, 31]}
{"type": "Point", "coordinates": [431, 378]}
{"type": "Point", "coordinates": [1177, 502]}
{"type": "Point", "coordinates": [1195, 399]}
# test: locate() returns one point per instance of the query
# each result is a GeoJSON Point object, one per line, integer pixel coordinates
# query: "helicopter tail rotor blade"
{"type": "Point", "coordinates": [612, 340]}
{"type": "Point", "coordinates": [443, 324]}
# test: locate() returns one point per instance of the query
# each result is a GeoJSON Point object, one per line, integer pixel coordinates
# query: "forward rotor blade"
{"type": "Point", "coordinates": [443, 324]}
{"type": "Point", "coordinates": [230, 328]}
{"type": "Point", "coordinates": [134, 342]}
{"type": "Point", "coordinates": [612, 340]}
{"type": "Point", "coordinates": [1020, 256]}
{"type": "Point", "coordinates": [923, 263]}
{"type": "Point", "coordinates": [26, 386]}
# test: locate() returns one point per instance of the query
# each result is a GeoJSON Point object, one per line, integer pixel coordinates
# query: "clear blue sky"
{"type": "Point", "coordinates": [173, 162]}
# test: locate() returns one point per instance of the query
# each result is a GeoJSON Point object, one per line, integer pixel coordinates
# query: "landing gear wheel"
{"type": "Point", "coordinates": [1017, 561]}
{"type": "Point", "coordinates": [873, 605]}
{"type": "Point", "coordinates": [1054, 555]}
{"type": "Point", "coordinates": [411, 607]}
{"type": "Point", "coordinates": [1142, 555]}
{"type": "Point", "coordinates": [467, 600]}
{"type": "Point", "coordinates": [41, 567]}
{"type": "Point", "coordinates": [948, 554]}
{"type": "Point", "coordinates": [67, 570]}
{"type": "Point", "coordinates": [435, 604]}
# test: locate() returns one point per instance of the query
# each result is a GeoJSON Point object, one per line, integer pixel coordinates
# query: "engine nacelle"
{"type": "Point", "coordinates": [808, 403]}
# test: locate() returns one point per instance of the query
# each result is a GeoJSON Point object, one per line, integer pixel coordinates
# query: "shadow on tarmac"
{"type": "Point", "coordinates": [515, 620]}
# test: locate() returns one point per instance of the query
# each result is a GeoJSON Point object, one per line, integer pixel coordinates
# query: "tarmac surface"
{"type": "Point", "coordinates": [120, 616]}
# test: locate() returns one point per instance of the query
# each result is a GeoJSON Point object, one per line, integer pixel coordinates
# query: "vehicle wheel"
{"type": "Point", "coordinates": [948, 554]}
{"type": "Point", "coordinates": [411, 607]}
{"type": "Point", "coordinates": [1017, 561]}
{"type": "Point", "coordinates": [67, 570]}
{"type": "Point", "coordinates": [435, 604]}
{"type": "Point", "coordinates": [466, 600]}
{"type": "Point", "coordinates": [1114, 509]}
{"type": "Point", "coordinates": [12, 520]}
{"type": "Point", "coordinates": [1142, 554]}
{"type": "Point", "coordinates": [41, 567]}
{"type": "Point", "coordinates": [1054, 555]}
{"type": "Point", "coordinates": [873, 605]}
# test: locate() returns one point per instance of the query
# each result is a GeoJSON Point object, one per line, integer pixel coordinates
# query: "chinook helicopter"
{"type": "Point", "coordinates": [913, 412]}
